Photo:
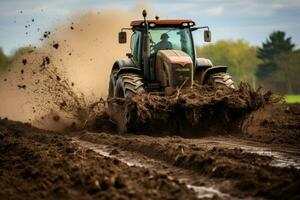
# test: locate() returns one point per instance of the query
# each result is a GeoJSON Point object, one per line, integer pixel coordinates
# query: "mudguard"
{"type": "Point", "coordinates": [203, 62]}
{"type": "Point", "coordinates": [124, 66]}
{"type": "Point", "coordinates": [200, 66]}
{"type": "Point", "coordinates": [213, 70]}
{"type": "Point", "coordinates": [120, 67]}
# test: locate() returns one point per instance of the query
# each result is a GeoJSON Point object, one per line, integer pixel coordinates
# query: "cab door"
{"type": "Point", "coordinates": [136, 48]}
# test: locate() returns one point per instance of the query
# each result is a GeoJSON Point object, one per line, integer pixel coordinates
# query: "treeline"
{"type": "Point", "coordinates": [275, 65]}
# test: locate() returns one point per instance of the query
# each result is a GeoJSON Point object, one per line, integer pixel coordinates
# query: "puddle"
{"type": "Point", "coordinates": [281, 158]}
{"type": "Point", "coordinates": [133, 160]}
{"type": "Point", "coordinates": [208, 192]}
{"type": "Point", "coordinates": [106, 152]}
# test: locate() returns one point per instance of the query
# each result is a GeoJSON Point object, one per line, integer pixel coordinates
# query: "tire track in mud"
{"type": "Point", "coordinates": [236, 167]}
{"type": "Point", "coordinates": [38, 164]}
{"type": "Point", "coordinates": [281, 157]}
{"type": "Point", "coordinates": [134, 159]}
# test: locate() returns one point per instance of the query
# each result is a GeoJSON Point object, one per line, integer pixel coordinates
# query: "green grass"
{"type": "Point", "coordinates": [292, 98]}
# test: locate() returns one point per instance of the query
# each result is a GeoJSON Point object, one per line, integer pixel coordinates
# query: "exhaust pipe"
{"type": "Point", "coordinates": [146, 49]}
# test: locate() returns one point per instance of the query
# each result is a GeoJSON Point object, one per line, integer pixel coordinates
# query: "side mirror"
{"type": "Point", "coordinates": [207, 36]}
{"type": "Point", "coordinates": [122, 37]}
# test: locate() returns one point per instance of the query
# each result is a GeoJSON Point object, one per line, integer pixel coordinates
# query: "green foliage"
{"type": "Point", "coordinates": [275, 45]}
{"type": "Point", "coordinates": [286, 78]}
{"type": "Point", "coordinates": [238, 55]}
{"type": "Point", "coordinates": [292, 98]}
{"type": "Point", "coordinates": [280, 65]}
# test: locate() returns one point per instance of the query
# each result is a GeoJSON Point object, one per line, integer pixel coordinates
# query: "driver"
{"type": "Point", "coordinates": [164, 43]}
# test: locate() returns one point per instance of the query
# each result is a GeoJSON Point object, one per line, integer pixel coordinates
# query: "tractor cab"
{"type": "Point", "coordinates": [160, 46]}
{"type": "Point", "coordinates": [164, 35]}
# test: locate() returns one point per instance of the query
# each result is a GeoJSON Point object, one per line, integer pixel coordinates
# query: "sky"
{"type": "Point", "coordinates": [252, 20]}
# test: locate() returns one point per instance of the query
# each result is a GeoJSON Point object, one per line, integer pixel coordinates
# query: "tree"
{"type": "Point", "coordinates": [275, 45]}
{"type": "Point", "coordinates": [286, 78]}
{"type": "Point", "coordinates": [239, 56]}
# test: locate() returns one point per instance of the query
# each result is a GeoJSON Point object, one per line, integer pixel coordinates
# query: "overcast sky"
{"type": "Point", "coordinates": [252, 20]}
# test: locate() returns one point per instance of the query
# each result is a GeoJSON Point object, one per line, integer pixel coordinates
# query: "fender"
{"type": "Point", "coordinates": [201, 65]}
{"type": "Point", "coordinates": [120, 67]}
{"type": "Point", "coordinates": [203, 62]}
{"type": "Point", "coordinates": [124, 66]}
{"type": "Point", "coordinates": [213, 70]}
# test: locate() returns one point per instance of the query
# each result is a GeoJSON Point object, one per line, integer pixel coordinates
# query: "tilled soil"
{"type": "Point", "coordinates": [274, 123]}
{"type": "Point", "coordinates": [36, 164]}
{"type": "Point", "coordinates": [197, 111]}
{"type": "Point", "coordinates": [238, 143]}
{"type": "Point", "coordinates": [262, 161]}
{"type": "Point", "coordinates": [233, 168]}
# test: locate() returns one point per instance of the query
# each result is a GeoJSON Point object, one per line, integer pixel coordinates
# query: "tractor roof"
{"type": "Point", "coordinates": [164, 23]}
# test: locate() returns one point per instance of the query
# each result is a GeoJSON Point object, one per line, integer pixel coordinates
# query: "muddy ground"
{"type": "Point", "coordinates": [36, 164]}
{"type": "Point", "coordinates": [260, 161]}
{"type": "Point", "coordinates": [199, 143]}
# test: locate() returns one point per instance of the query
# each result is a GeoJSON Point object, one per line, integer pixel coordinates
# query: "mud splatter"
{"type": "Point", "coordinates": [199, 108]}
{"type": "Point", "coordinates": [46, 34]}
{"type": "Point", "coordinates": [56, 45]}
{"type": "Point", "coordinates": [24, 61]}
{"type": "Point", "coordinates": [22, 87]}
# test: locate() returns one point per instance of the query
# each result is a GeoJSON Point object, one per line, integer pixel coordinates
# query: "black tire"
{"type": "Point", "coordinates": [111, 87]}
{"type": "Point", "coordinates": [221, 80]}
{"type": "Point", "coordinates": [128, 85]}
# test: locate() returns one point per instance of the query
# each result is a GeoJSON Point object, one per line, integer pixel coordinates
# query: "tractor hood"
{"type": "Point", "coordinates": [174, 68]}
{"type": "Point", "coordinates": [175, 57]}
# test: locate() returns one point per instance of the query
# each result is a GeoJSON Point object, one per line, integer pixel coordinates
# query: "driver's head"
{"type": "Point", "coordinates": [164, 37]}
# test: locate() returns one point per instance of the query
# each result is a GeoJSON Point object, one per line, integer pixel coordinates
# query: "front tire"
{"type": "Point", "coordinates": [128, 85]}
{"type": "Point", "coordinates": [221, 80]}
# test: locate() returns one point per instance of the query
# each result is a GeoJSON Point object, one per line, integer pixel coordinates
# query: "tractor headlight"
{"type": "Point", "coordinates": [185, 24]}
{"type": "Point", "coordinates": [152, 24]}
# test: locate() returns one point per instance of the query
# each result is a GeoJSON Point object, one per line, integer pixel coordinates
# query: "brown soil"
{"type": "Point", "coordinates": [197, 111]}
{"type": "Point", "coordinates": [36, 164]}
{"type": "Point", "coordinates": [243, 143]}
{"type": "Point", "coordinates": [43, 164]}
{"type": "Point", "coordinates": [247, 173]}
{"type": "Point", "coordinates": [274, 123]}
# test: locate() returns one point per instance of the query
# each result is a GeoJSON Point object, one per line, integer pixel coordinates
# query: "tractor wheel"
{"type": "Point", "coordinates": [128, 85]}
{"type": "Point", "coordinates": [221, 80]}
{"type": "Point", "coordinates": [111, 87]}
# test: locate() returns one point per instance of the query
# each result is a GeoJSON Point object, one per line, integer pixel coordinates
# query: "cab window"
{"type": "Point", "coordinates": [135, 47]}
{"type": "Point", "coordinates": [176, 38]}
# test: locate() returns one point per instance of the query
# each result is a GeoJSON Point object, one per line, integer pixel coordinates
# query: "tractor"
{"type": "Point", "coordinates": [163, 59]}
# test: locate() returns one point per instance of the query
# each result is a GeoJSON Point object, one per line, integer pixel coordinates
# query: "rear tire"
{"type": "Point", "coordinates": [221, 80]}
{"type": "Point", "coordinates": [111, 87]}
{"type": "Point", "coordinates": [128, 85]}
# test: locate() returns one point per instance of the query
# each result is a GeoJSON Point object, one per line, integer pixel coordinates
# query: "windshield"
{"type": "Point", "coordinates": [171, 38]}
